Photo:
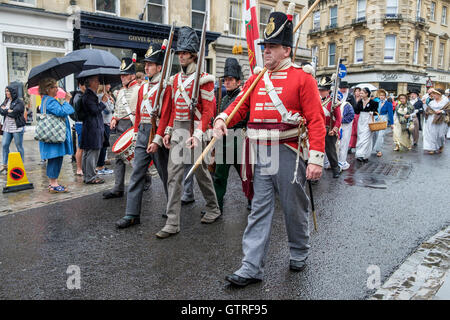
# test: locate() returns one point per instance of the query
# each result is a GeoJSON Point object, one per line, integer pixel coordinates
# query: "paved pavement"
{"type": "Point", "coordinates": [374, 217]}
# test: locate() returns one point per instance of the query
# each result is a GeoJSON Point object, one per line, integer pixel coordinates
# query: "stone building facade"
{"type": "Point", "coordinates": [384, 43]}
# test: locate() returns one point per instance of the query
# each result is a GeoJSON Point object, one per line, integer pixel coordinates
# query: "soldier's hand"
{"type": "Point", "coordinates": [152, 148]}
{"type": "Point", "coordinates": [220, 129]}
{"type": "Point", "coordinates": [113, 124]}
{"type": "Point", "coordinates": [192, 142]}
{"type": "Point", "coordinates": [313, 172]}
{"type": "Point", "coordinates": [166, 141]}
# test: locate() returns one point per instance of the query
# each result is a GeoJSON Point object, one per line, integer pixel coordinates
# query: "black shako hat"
{"type": "Point", "coordinates": [187, 40]}
{"type": "Point", "coordinates": [344, 84]}
{"type": "Point", "coordinates": [155, 54]}
{"type": "Point", "coordinates": [127, 66]}
{"type": "Point", "coordinates": [232, 69]}
{"type": "Point", "coordinates": [325, 83]}
{"type": "Point", "coordinates": [279, 30]}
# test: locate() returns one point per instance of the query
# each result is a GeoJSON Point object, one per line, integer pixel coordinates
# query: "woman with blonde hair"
{"type": "Point", "coordinates": [402, 123]}
{"type": "Point", "coordinates": [54, 152]}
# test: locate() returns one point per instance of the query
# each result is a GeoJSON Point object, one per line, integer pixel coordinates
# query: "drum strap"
{"type": "Point", "coordinates": [127, 108]}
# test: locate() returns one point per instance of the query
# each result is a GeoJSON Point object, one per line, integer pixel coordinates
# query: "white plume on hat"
{"type": "Point", "coordinates": [291, 9]}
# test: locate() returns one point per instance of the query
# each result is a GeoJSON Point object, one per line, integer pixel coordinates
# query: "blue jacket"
{"type": "Point", "coordinates": [348, 114]}
{"type": "Point", "coordinates": [93, 127]}
{"type": "Point", "coordinates": [55, 150]}
{"type": "Point", "coordinates": [387, 109]}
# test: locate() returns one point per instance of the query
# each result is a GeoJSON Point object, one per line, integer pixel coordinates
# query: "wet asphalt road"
{"type": "Point", "coordinates": [358, 227]}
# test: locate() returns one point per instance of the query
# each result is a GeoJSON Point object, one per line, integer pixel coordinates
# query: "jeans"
{"type": "Point", "coordinates": [18, 141]}
{"type": "Point", "coordinates": [54, 167]}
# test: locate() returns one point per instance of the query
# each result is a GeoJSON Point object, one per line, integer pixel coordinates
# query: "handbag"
{"type": "Point", "coordinates": [50, 128]}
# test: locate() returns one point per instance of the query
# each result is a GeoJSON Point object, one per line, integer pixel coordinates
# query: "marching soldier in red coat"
{"type": "Point", "coordinates": [332, 124]}
{"type": "Point", "coordinates": [285, 98]}
{"type": "Point", "coordinates": [177, 136]}
{"type": "Point", "coordinates": [156, 152]}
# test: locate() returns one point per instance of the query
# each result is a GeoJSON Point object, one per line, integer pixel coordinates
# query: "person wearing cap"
{"type": "Point", "coordinates": [177, 134]}
{"type": "Point", "coordinates": [156, 152]}
{"type": "Point", "coordinates": [365, 108]}
{"type": "Point", "coordinates": [436, 122]}
{"type": "Point", "coordinates": [232, 81]}
{"type": "Point", "coordinates": [402, 124]}
{"type": "Point", "coordinates": [417, 103]}
{"type": "Point", "coordinates": [280, 103]}
{"type": "Point", "coordinates": [344, 89]}
{"type": "Point", "coordinates": [123, 119]}
{"type": "Point", "coordinates": [385, 113]}
{"type": "Point", "coordinates": [332, 124]}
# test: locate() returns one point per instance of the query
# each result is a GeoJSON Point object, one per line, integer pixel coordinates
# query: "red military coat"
{"type": "Point", "coordinates": [164, 111]}
{"type": "Point", "coordinates": [337, 115]}
{"type": "Point", "coordinates": [299, 93]}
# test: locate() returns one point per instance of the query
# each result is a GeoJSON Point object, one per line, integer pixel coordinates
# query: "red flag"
{"type": "Point", "coordinates": [252, 34]}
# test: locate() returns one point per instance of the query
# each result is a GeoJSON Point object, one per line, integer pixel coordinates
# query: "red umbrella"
{"type": "Point", "coordinates": [35, 91]}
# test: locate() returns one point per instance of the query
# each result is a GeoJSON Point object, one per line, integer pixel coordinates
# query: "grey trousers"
{"type": "Point", "coordinates": [142, 160]}
{"type": "Point", "coordinates": [295, 205]}
{"type": "Point", "coordinates": [188, 191]}
{"type": "Point", "coordinates": [175, 186]}
{"type": "Point", "coordinates": [120, 166]}
{"type": "Point", "coordinates": [89, 163]}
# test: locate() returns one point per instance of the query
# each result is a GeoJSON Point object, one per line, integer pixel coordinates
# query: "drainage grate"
{"type": "Point", "coordinates": [393, 169]}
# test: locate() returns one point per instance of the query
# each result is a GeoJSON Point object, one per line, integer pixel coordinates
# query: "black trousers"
{"type": "Point", "coordinates": [330, 150]}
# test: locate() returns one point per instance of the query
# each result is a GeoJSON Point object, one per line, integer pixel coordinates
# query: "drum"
{"type": "Point", "coordinates": [124, 146]}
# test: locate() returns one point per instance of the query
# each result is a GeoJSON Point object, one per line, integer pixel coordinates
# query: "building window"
{"type": "Point", "coordinates": [156, 11]}
{"type": "Point", "coordinates": [359, 50]}
{"type": "Point", "coordinates": [25, 2]}
{"type": "Point", "coordinates": [444, 16]}
{"type": "Point", "coordinates": [416, 52]}
{"type": "Point", "coordinates": [419, 5]}
{"type": "Point", "coordinates": [236, 17]}
{"type": "Point", "coordinates": [107, 6]}
{"type": "Point", "coordinates": [441, 55]}
{"type": "Point", "coordinates": [333, 16]}
{"type": "Point", "coordinates": [389, 48]}
{"type": "Point", "coordinates": [361, 10]}
{"type": "Point", "coordinates": [430, 52]}
{"type": "Point", "coordinates": [315, 55]}
{"type": "Point", "coordinates": [391, 8]}
{"type": "Point", "coordinates": [316, 20]}
{"type": "Point", "coordinates": [264, 13]}
{"type": "Point", "coordinates": [332, 54]}
{"type": "Point", "coordinates": [433, 11]}
{"type": "Point", "coordinates": [199, 8]}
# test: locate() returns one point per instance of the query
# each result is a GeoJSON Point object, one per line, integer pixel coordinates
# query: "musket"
{"type": "Point", "coordinates": [230, 117]}
{"type": "Point", "coordinates": [155, 110]}
{"type": "Point", "coordinates": [198, 75]}
{"type": "Point", "coordinates": [335, 89]}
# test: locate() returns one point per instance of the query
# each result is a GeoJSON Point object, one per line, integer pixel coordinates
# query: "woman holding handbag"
{"type": "Point", "coordinates": [54, 152]}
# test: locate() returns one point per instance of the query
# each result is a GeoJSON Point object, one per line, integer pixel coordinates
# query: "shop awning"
{"type": "Point", "coordinates": [109, 31]}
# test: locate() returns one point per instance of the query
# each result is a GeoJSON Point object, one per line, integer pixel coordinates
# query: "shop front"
{"type": "Point", "coordinates": [123, 37]}
{"type": "Point", "coordinates": [29, 37]}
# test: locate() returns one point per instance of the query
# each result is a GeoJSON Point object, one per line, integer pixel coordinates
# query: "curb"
{"type": "Point", "coordinates": [423, 273]}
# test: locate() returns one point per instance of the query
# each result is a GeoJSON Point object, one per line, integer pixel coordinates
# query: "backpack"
{"type": "Point", "coordinates": [79, 114]}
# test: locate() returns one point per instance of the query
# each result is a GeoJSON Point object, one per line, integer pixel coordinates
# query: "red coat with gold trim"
{"type": "Point", "coordinates": [337, 115]}
{"type": "Point", "coordinates": [299, 93]}
{"type": "Point", "coordinates": [164, 111]}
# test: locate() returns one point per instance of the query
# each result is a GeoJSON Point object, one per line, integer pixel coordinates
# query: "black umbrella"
{"type": "Point", "coordinates": [56, 68]}
{"type": "Point", "coordinates": [96, 58]}
{"type": "Point", "coordinates": [106, 75]}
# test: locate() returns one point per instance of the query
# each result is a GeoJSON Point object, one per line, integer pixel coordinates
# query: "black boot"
{"type": "Point", "coordinates": [125, 223]}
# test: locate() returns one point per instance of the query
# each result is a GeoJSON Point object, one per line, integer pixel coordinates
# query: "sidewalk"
{"type": "Point", "coordinates": [36, 172]}
{"type": "Point", "coordinates": [425, 275]}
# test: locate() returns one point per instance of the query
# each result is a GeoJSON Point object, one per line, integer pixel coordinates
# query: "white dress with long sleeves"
{"type": "Point", "coordinates": [434, 134]}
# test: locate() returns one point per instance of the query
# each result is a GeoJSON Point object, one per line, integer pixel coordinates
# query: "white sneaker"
{"type": "Point", "coordinates": [344, 166]}
{"type": "Point", "coordinates": [326, 166]}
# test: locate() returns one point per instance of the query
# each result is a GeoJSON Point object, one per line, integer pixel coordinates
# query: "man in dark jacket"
{"type": "Point", "coordinates": [344, 89]}
{"type": "Point", "coordinates": [93, 130]}
{"type": "Point", "coordinates": [13, 112]}
{"type": "Point", "coordinates": [232, 143]}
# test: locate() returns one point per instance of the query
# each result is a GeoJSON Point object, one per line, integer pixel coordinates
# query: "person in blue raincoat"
{"type": "Point", "coordinates": [54, 152]}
